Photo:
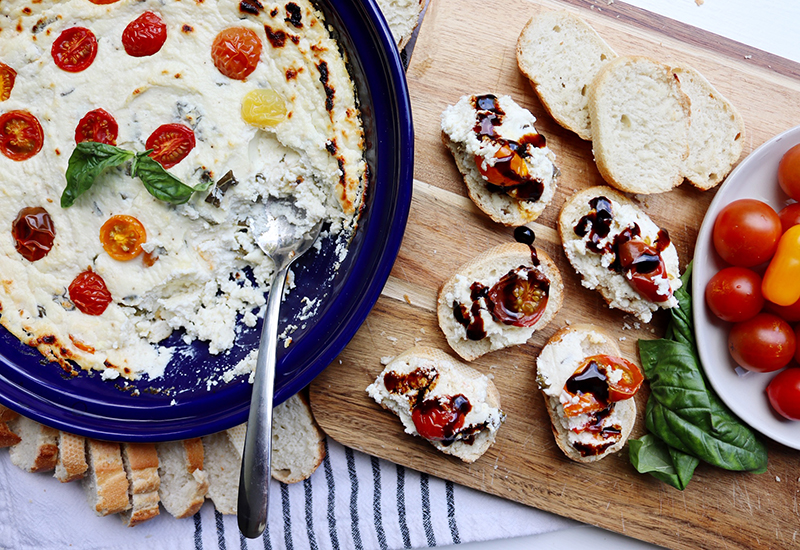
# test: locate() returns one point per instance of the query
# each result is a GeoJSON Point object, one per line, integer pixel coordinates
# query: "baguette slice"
{"type": "Point", "coordinates": [716, 133]}
{"type": "Point", "coordinates": [511, 123]}
{"type": "Point", "coordinates": [7, 436]}
{"type": "Point", "coordinates": [140, 461]}
{"type": "Point", "coordinates": [298, 443]}
{"type": "Point", "coordinates": [558, 360]}
{"type": "Point", "coordinates": [435, 376]}
{"type": "Point", "coordinates": [560, 54]}
{"type": "Point", "coordinates": [71, 463]}
{"type": "Point", "coordinates": [402, 17]}
{"type": "Point", "coordinates": [37, 450]}
{"type": "Point", "coordinates": [487, 269]}
{"type": "Point", "coordinates": [594, 267]}
{"type": "Point", "coordinates": [640, 125]}
{"type": "Point", "coordinates": [106, 484]}
{"type": "Point", "coordinates": [223, 461]}
{"type": "Point", "coordinates": [184, 483]}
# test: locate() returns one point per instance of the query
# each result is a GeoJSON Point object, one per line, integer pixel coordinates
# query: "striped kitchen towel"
{"type": "Point", "coordinates": [353, 501]}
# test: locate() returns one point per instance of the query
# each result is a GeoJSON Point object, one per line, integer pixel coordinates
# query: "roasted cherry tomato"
{"type": "Point", "coordinates": [33, 233]}
{"type": "Point", "coordinates": [103, 2]}
{"type": "Point", "coordinates": [508, 170]}
{"type": "Point", "coordinates": [789, 172]}
{"type": "Point", "coordinates": [122, 237]}
{"type": "Point", "coordinates": [236, 52]}
{"type": "Point", "coordinates": [7, 77]}
{"type": "Point", "coordinates": [75, 49]}
{"type": "Point", "coordinates": [781, 283]}
{"type": "Point", "coordinates": [89, 293]}
{"type": "Point", "coordinates": [789, 215]}
{"type": "Point", "coordinates": [170, 143]}
{"type": "Point", "coordinates": [98, 126]}
{"type": "Point", "coordinates": [783, 393]}
{"type": "Point", "coordinates": [144, 35]}
{"type": "Point", "coordinates": [21, 135]}
{"type": "Point", "coordinates": [264, 108]}
{"type": "Point", "coordinates": [764, 343]}
{"type": "Point", "coordinates": [600, 380]}
{"type": "Point", "coordinates": [746, 232]}
{"type": "Point", "coordinates": [645, 270]}
{"type": "Point", "coordinates": [440, 419]}
{"type": "Point", "coordinates": [734, 294]}
{"type": "Point", "coordinates": [519, 298]}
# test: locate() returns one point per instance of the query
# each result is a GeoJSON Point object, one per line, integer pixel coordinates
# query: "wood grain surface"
{"type": "Point", "coordinates": [467, 47]}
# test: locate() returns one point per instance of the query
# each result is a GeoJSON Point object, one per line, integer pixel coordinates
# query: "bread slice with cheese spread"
{"type": "Point", "coordinates": [590, 436]}
{"type": "Point", "coordinates": [592, 224]}
{"type": "Point", "coordinates": [423, 385]}
{"type": "Point", "coordinates": [509, 171]}
{"type": "Point", "coordinates": [478, 310]}
{"type": "Point", "coordinates": [560, 54]}
{"type": "Point", "coordinates": [402, 17]}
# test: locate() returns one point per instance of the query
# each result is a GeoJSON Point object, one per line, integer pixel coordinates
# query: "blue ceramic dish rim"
{"type": "Point", "coordinates": [390, 110]}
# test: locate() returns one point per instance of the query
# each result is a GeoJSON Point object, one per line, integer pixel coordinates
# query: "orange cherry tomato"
{"type": "Point", "coordinates": [781, 283]}
{"type": "Point", "coordinates": [508, 170]}
{"type": "Point", "coordinates": [74, 49]}
{"type": "Point", "coordinates": [170, 143]}
{"type": "Point", "coordinates": [7, 77]}
{"type": "Point", "coordinates": [89, 293]}
{"type": "Point", "coordinates": [21, 135]}
{"type": "Point", "coordinates": [122, 237]}
{"type": "Point", "coordinates": [600, 380]}
{"type": "Point", "coordinates": [98, 126]}
{"type": "Point", "coordinates": [236, 52]}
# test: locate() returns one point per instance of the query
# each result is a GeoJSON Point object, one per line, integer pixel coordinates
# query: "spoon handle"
{"type": "Point", "coordinates": [255, 474]}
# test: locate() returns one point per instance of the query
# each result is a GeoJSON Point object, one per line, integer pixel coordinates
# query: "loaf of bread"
{"type": "Point", "coordinates": [582, 436]}
{"type": "Point", "coordinates": [106, 484]}
{"type": "Point", "coordinates": [402, 17]}
{"type": "Point", "coordinates": [140, 461]}
{"type": "Point", "coordinates": [184, 483]}
{"type": "Point", "coordinates": [593, 224]}
{"type": "Point", "coordinates": [71, 463]}
{"type": "Point", "coordinates": [560, 54]}
{"type": "Point", "coordinates": [423, 386]}
{"type": "Point", "coordinates": [478, 309]}
{"type": "Point", "coordinates": [509, 171]}
{"type": "Point", "coordinates": [640, 122]}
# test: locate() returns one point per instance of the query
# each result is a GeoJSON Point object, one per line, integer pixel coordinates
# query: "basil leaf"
{"type": "Point", "coordinates": [681, 327]}
{"type": "Point", "coordinates": [160, 183]}
{"type": "Point", "coordinates": [87, 162]}
{"type": "Point", "coordinates": [651, 455]}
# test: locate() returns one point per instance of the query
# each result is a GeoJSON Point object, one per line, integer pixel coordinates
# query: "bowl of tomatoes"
{"type": "Point", "coordinates": [746, 290]}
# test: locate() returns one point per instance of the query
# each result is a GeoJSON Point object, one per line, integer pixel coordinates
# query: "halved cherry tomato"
{"type": "Point", "coordinates": [33, 233]}
{"type": "Point", "coordinates": [7, 77]}
{"type": "Point", "coordinates": [764, 343]}
{"type": "Point", "coordinates": [21, 135]}
{"type": "Point", "coordinates": [144, 35]}
{"type": "Point", "coordinates": [89, 293]}
{"type": "Point", "coordinates": [746, 232]}
{"type": "Point", "coordinates": [783, 393]}
{"type": "Point", "coordinates": [508, 170]}
{"type": "Point", "coordinates": [75, 49]}
{"type": "Point", "coordinates": [734, 294]}
{"type": "Point", "coordinates": [600, 380]}
{"type": "Point", "coordinates": [122, 237]}
{"type": "Point", "coordinates": [170, 143]}
{"type": "Point", "coordinates": [98, 126]}
{"type": "Point", "coordinates": [645, 270]}
{"type": "Point", "coordinates": [236, 52]}
{"type": "Point", "coordinates": [789, 172]}
{"type": "Point", "coordinates": [519, 298]}
{"type": "Point", "coordinates": [789, 215]}
{"type": "Point", "coordinates": [781, 283]}
{"type": "Point", "coordinates": [440, 419]}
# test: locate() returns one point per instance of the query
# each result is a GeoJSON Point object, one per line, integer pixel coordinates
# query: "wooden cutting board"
{"type": "Point", "coordinates": [467, 47]}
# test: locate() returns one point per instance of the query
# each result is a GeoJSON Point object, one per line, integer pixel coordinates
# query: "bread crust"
{"type": "Point", "coordinates": [72, 463]}
{"type": "Point", "coordinates": [141, 466]}
{"type": "Point", "coordinates": [509, 256]}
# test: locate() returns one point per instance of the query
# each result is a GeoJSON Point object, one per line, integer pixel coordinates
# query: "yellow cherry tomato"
{"type": "Point", "coordinates": [263, 108]}
{"type": "Point", "coordinates": [781, 283]}
{"type": "Point", "coordinates": [122, 237]}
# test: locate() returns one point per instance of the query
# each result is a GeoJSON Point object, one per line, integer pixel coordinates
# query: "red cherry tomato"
{"type": "Point", "coordinates": [98, 126]}
{"type": "Point", "coordinates": [746, 232]}
{"type": "Point", "coordinates": [33, 233]}
{"type": "Point", "coordinates": [645, 270]}
{"type": "Point", "coordinates": [600, 380]}
{"type": "Point", "coordinates": [790, 314]}
{"type": "Point", "coordinates": [21, 135]}
{"type": "Point", "coordinates": [789, 172]}
{"type": "Point", "coordinates": [75, 49]}
{"type": "Point", "coordinates": [783, 393]}
{"type": "Point", "coordinates": [519, 298]}
{"type": "Point", "coordinates": [103, 2]}
{"type": "Point", "coordinates": [144, 35]}
{"type": "Point", "coordinates": [764, 343]}
{"type": "Point", "coordinates": [790, 216]}
{"type": "Point", "coordinates": [734, 294]}
{"type": "Point", "coordinates": [7, 77]}
{"type": "Point", "coordinates": [440, 419]}
{"type": "Point", "coordinates": [236, 52]}
{"type": "Point", "coordinates": [89, 293]}
{"type": "Point", "coordinates": [170, 143]}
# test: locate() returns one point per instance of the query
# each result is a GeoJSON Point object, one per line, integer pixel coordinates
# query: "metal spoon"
{"type": "Point", "coordinates": [283, 240]}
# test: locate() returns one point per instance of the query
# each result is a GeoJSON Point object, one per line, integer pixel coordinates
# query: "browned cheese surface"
{"type": "Point", "coordinates": [468, 47]}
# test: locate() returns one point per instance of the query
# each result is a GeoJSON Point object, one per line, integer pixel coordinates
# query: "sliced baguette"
{"type": "Point", "coordinates": [458, 134]}
{"type": "Point", "coordinates": [298, 443]}
{"type": "Point", "coordinates": [37, 450]}
{"type": "Point", "coordinates": [487, 269]}
{"type": "Point", "coordinates": [223, 461]}
{"type": "Point", "coordinates": [106, 484]}
{"type": "Point", "coordinates": [640, 125]}
{"type": "Point", "coordinates": [140, 461]}
{"type": "Point", "coordinates": [593, 267]}
{"type": "Point", "coordinates": [558, 360]}
{"type": "Point", "coordinates": [7, 436]}
{"type": "Point", "coordinates": [402, 17]}
{"type": "Point", "coordinates": [444, 378]}
{"type": "Point", "coordinates": [184, 483]}
{"type": "Point", "coordinates": [71, 463]}
{"type": "Point", "coordinates": [560, 54]}
{"type": "Point", "coordinates": [716, 133]}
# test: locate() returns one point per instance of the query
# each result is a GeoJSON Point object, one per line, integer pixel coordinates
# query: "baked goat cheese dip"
{"type": "Point", "coordinates": [238, 102]}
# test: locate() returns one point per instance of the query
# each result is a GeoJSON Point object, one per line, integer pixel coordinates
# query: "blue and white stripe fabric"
{"type": "Point", "coordinates": [353, 501]}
